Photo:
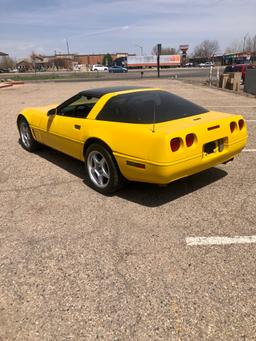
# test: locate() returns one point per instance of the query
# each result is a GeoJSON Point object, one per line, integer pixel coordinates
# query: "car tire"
{"type": "Point", "coordinates": [101, 170]}
{"type": "Point", "coordinates": [26, 138]}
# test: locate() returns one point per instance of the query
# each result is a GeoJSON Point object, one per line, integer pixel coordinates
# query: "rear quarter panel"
{"type": "Point", "coordinates": [133, 140]}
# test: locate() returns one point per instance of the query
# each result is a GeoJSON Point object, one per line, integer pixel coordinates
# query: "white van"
{"type": "Point", "coordinates": [98, 67]}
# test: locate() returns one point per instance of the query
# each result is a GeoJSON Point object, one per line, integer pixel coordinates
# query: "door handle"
{"type": "Point", "coordinates": [77, 126]}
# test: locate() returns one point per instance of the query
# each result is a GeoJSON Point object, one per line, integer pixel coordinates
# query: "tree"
{"type": "Point", "coordinates": [107, 59]}
{"type": "Point", "coordinates": [164, 50]}
{"type": "Point", "coordinates": [207, 49]}
{"type": "Point", "coordinates": [247, 44]}
{"type": "Point", "coordinates": [7, 62]}
{"type": "Point", "coordinates": [254, 44]}
{"type": "Point", "coordinates": [250, 44]}
{"type": "Point", "coordinates": [236, 46]}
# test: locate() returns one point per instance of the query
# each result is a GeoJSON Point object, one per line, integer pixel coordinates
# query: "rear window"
{"type": "Point", "coordinates": [148, 107]}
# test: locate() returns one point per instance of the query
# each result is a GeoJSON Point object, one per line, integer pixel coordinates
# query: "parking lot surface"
{"type": "Point", "coordinates": [77, 265]}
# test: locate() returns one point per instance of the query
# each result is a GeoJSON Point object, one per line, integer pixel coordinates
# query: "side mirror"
{"type": "Point", "coordinates": [52, 112]}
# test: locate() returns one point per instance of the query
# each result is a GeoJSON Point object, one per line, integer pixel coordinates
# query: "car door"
{"type": "Point", "coordinates": [64, 134]}
{"type": "Point", "coordinates": [65, 131]}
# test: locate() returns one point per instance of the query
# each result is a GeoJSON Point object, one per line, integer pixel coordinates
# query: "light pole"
{"type": "Point", "coordinates": [141, 49]}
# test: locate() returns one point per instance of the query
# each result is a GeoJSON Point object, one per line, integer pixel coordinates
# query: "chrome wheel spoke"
{"type": "Point", "coordinates": [101, 182]}
{"type": "Point", "coordinates": [25, 134]}
{"type": "Point", "coordinates": [105, 172]}
{"type": "Point", "coordinates": [95, 160]}
{"type": "Point", "coordinates": [97, 173]}
{"type": "Point", "coordinates": [98, 169]}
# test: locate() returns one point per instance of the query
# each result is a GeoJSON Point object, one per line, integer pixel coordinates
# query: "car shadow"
{"type": "Point", "coordinates": [69, 164]}
{"type": "Point", "coordinates": [155, 195]}
{"type": "Point", "coordinates": [140, 193]}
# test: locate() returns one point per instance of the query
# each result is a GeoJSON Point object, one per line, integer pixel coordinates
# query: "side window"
{"type": "Point", "coordinates": [112, 110]}
{"type": "Point", "coordinates": [79, 107]}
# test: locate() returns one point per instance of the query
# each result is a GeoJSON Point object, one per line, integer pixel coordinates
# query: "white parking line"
{"type": "Point", "coordinates": [250, 120]}
{"type": "Point", "coordinates": [232, 106]}
{"type": "Point", "coordinates": [249, 150]}
{"type": "Point", "coordinates": [193, 241]}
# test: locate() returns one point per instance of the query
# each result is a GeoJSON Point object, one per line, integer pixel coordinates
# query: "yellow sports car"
{"type": "Point", "coordinates": [139, 134]}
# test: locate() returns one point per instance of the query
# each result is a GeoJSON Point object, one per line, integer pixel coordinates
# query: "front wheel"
{"type": "Point", "coordinates": [101, 171]}
{"type": "Point", "coordinates": [27, 140]}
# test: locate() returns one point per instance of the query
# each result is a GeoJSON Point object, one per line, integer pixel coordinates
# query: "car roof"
{"type": "Point", "coordinates": [99, 92]}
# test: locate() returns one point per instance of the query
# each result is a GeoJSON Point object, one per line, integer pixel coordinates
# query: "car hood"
{"type": "Point", "coordinates": [34, 114]}
{"type": "Point", "coordinates": [43, 109]}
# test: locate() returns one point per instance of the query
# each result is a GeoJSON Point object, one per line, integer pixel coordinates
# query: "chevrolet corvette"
{"type": "Point", "coordinates": [138, 134]}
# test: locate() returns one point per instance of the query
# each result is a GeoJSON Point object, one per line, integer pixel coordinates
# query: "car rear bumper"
{"type": "Point", "coordinates": [140, 170]}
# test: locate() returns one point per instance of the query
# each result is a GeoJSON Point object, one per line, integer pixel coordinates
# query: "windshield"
{"type": "Point", "coordinates": [148, 107]}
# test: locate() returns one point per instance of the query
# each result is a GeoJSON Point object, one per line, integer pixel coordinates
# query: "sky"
{"type": "Point", "coordinates": [102, 26]}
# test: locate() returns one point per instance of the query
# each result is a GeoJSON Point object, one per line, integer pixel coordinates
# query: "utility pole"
{"type": "Point", "coordinates": [159, 48]}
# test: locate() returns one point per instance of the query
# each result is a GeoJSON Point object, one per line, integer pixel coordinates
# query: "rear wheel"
{"type": "Point", "coordinates": [101, 171]}
{"type": "Point", "coordinates": [27, 140]}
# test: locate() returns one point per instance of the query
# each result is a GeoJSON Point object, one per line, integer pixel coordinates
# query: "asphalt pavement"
{"type": "Point", "coordinates": [77, 265]}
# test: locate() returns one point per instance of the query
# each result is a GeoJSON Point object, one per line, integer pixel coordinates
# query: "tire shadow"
{"type": "Point", "coordinates": [69, 164]}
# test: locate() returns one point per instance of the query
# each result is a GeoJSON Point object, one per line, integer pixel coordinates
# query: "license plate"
{"type": "Point", "coordinates": [213, 147]}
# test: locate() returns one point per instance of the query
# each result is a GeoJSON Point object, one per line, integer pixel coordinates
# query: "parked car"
{"type": "Point", "coordinates": [99, 67]}
{"type": "Point", "coordinates": [206, 64]}
{"type": "Point", "coordinates": [4, 70]}
{"type": "Point", "coordinates": [239, 68]}
{"type": "Point", "coordinates": [138, 134]}
{"type": "Point", "coordinates": [118, 69]}
{"type": "Point", "coordinates": [189, 64]}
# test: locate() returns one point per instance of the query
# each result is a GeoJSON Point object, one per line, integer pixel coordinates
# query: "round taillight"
{"type": "Point", "coordinates": [190, 138]}
{"type": "Point", "coordinates": [232, 126]}
{"type": "Point", "coordinates": [175, 144]}
{"type": "Point", "coordinates": [241, 124]}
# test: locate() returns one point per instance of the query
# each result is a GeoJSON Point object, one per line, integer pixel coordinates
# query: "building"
{"type": "Point", "coordinates": [239, 58]}
{"type": "Point", "coordinates": [24, 66]}
{"type": "Point", "coordinates": [90, 59]}
{"type": "Point", "coordinates": [2, 55]}
{"type": "Point", "coordinates": [70, 61]}
{"type": "Point", "coordinates": [87, 60]}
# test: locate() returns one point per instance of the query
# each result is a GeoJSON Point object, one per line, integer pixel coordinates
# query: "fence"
{"type": "Point", "coordinates": [250, 81]}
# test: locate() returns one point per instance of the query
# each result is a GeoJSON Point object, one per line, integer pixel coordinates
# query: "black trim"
{"type": "Point", "coordinates": [213, 127]}
{"type": "Point", "coordinates": [99, 92]}
{"type": "Point", "coordinates": [136, 164]}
